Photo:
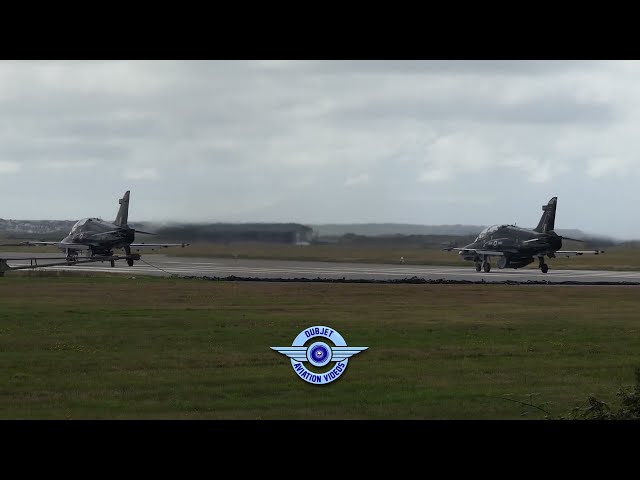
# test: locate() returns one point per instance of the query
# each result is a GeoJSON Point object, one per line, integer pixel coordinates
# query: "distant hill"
{"type": "Point", "coordinates": [54, 230]}
{"type": "Point", "coordinates": [377, 229]}
{"type": "Point", "coordinates": [57, 229]}
{"type": "Point", "coordinates": [35, 226]}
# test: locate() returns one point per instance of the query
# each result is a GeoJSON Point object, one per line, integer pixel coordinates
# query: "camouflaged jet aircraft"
{"type": "Point", "coordinates": [516, 247]}
{"type": "Point", "coordinates": [98, 238]}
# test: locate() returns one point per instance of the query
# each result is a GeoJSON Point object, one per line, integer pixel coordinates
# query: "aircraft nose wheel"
{"type": "Point", "coordinates": [542, 266]}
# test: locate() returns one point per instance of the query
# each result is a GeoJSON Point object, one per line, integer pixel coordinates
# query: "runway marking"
{"type": "Point", "coordinates": [273, 272]}
{"type": "Point", "coordinates": [226, 268]}
{"type": "Point", "coordinates": [396, 272]}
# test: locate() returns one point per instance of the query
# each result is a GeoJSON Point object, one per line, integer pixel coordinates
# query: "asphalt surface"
{"type": "Point", "coordinates": [286, 269]}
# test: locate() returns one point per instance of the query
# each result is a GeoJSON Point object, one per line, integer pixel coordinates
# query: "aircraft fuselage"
{"type": "Point", "coordinates": [101, 236]}
{"type": "Point", "coordinates": [516, 246]}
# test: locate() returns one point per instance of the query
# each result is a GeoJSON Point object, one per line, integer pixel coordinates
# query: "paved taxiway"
{"type": "Point", "coordinates": [154, 264]}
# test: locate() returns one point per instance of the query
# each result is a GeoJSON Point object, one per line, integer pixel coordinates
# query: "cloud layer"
{"type": "Point", "coordinates": [428, 142]}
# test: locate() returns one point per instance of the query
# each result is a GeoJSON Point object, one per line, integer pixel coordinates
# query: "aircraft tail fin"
{"type": "Point", "coordinates": [548, 219]}
{"type": "Point", "coordinates": [123, 212]}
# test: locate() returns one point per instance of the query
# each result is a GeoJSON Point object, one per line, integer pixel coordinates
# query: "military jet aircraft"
{"type": "Point", "coordinates": [516, 247]}
{"type": "Point", "coordinates": [98, 238]}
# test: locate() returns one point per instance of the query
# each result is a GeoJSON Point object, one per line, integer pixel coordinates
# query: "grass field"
{"type": "Point", "coordinates": [113, 347]}
{"type": "Point", "coordinates": [614, 258]}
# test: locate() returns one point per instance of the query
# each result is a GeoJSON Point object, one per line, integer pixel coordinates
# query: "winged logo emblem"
{"type": "Point", "coordinates": [319, 353]}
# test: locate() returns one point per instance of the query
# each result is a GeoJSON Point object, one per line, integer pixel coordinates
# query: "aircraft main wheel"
{"type": "Point", "coordinates": [113, 263]}
{"type": "Point", "coordinates": [544, 267]}
{"type": "Point", "coordinates": [478, 267]}
{"type": "Point", "coordinates": [487, 267]}
{"type": "Point", "coordinates": [130, 262]}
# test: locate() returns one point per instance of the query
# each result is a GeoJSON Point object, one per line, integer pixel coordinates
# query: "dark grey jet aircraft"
{"type": "Point", "coordinates": [98, 238]}
{"type": "Point", "coordinates": [516, 247]}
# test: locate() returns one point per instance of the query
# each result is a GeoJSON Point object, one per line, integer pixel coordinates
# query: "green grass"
{"type": "Point", "coordinates": [112, 347]}
{"type": "Point", "coordinates": [614, 258]}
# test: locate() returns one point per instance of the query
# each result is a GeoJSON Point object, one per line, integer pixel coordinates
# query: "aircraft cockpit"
{"type": "Point", "coordinates": [487, 231]}
{"type": "Point", "coordinates": [81, 223]}
{"type": "Point", "coordinates": [78, 224]}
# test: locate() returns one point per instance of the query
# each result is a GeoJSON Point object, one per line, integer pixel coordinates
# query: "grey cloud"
{"type": "Point", "coordinates": [428, 67]}
{"type": "Point", "coordinates": [320, 141]}
{"type": "Point", "coordinates": [551, 110]}
{"type": "Point", "coordinates": [58, 150]}
{"type": "Point", "coordinates": [109, 126]}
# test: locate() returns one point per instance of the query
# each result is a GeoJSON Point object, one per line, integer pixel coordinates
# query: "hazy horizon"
{"type": "Point", "coordinates": [367, 229]}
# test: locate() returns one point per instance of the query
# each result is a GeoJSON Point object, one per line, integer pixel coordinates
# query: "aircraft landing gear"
{"type": "Point", "coordinates": [485, 265]}
{"type": "Point", "coordinates": [542, 266]}
{"type": "Point", "coordinates": [113, 263]}
{"type": "Point", "coordinates": [127, 251]}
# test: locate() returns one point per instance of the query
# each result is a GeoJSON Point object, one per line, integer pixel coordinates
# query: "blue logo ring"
{"type": "Point", "coordinates": [319, 354]}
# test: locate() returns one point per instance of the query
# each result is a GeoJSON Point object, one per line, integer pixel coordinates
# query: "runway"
{"type": "Point", "coordinates": [162, 265]}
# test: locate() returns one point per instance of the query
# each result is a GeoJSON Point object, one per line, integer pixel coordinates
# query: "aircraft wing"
{"type": "Point", "coordinates": [157, 245]}
{"type": "Point", "coordinates": [497, 253]}
{"type": "Point", "coordinates": [73, 246]}
{"type": "Point", "coordinates": [487, 252]}
{"type": "Point", "coordinates": [570, 253]}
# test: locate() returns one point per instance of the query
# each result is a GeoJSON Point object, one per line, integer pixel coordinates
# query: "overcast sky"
{"type": "Point", "coordinates": [424, 142]}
